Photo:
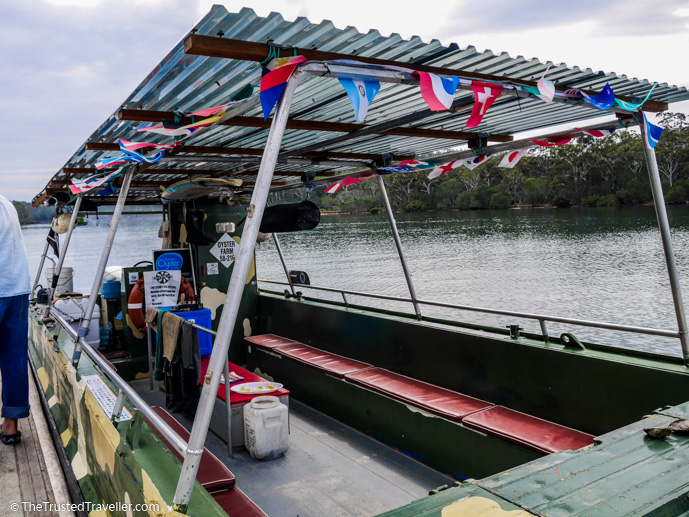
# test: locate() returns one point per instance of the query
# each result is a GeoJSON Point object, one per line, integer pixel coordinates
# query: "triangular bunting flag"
{"type": "Point", "coordinates": [603, 100]}
{"type": "Point", "coordinates": [274, 80]}
{"type": "Point", "coordinates": [361, 94]}
{"type": "Point", "coordinates": [438, 92]}
{"type": "Point", "coordinates": [444, 169]}
{"type": "Point", "coordinates": [631, 106]}
{"type": "Point", "coordinates": [545, 143]}
{"type": "Point", "coordinates": [512, 158]}
{"type": "Point", "coordinates": [597, 133]}
{"type": "Point", "coordinates": [484, 96]}
{"type": "Point", "coordinates": [653, 133]}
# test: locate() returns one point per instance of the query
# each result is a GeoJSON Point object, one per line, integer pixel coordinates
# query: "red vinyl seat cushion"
{"type": "Point", "coordinates": [268, 340]}
{"type": "Point", "coordinates": [212, 474]}
{"type": "Point", "coordinates": [434, 399]}
{"type": "Point", "coordinates": [237, 504]}
{"type": "Point", "coordinates": [332, 364]}
{"type": "Point", "coordinates": [526, 430]}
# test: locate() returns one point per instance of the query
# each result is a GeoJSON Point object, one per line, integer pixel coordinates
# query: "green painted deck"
{"type": "Point", "coordinates": [626, 473]}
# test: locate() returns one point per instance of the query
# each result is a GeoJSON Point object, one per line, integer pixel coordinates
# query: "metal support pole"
{"type": "Point", "coordinates": [98, 278]}
{"type": "Point", "coordinates": [40, 268]}
{"type": "Point", "coordinates": [664, 225]}
{"type": "Point", "coordinates": [284, 264]}
{"type": "Point", "coordinates": [118, 406]}
{"type": "Point", "coordinates": [544, 331]}
{"type": "Point", "coordinates": [228, 409]}
{"type": "Point", "coordinates": [398, 243]}
{"type": "Point", "coordinates": [233, 298]}
{"type": "Point", "coordinates": [150, 355]}
{"type": "Point", "coordinates": [63, 253]}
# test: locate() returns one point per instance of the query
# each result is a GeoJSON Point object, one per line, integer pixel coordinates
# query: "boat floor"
{"type": "Point", "coordinates": [30, 472]}
{"type": "Point", "coordinates": [329, 469]}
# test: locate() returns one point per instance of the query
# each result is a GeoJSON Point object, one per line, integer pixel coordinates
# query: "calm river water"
{"type": "Point", "coordinates": [598, 264]}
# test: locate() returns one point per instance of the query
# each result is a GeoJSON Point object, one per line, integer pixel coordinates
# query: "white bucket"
{"type": "Point", "coordinates": [65, 282]}
{"type": "Point", "coordinates": [266, 428]}
{"type": "Point", "coordinates": [72, 310]}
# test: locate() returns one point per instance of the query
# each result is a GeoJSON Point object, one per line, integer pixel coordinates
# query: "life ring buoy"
{"type": "Point", "coordinates": [135, 303]}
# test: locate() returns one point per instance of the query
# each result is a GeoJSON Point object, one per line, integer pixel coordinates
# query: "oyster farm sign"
{"type": "Point", "coordinates": [225, 249]}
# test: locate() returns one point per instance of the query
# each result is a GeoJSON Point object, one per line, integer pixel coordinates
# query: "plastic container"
{"type": "Point", "coordinates": [266, 428]}
{"type": "Point", "coordinates": [72, 309]}
{"type": "Point", "coordinates": [111, 290]}
{"type": "Point", "coordinates": [202, 318]}
{"type": "Point", "coordinates": [65, 282]}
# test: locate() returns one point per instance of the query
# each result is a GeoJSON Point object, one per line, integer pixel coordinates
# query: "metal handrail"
{"type": "Point", "coordinates": [154, 419]}
{"type": "Point", "coordinates": [526, 315]}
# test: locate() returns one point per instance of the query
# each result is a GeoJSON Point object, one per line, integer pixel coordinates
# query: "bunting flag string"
{"type": "Point", "coordinates": [274, 81]}
{"type": "Point", "coordinates": [484, 96]}
{"type": "Point", "coordinates": [80, 186]}
{"type": "Point", "coordinates": [631, 106]}
{"type": "Point", "coordinates": [512, 158]}
{"type": "Point", "coordinates": [652, 131]}
{"type": "Point", "coordinates": [185, 131]}
{"type": "Point", "coordinates": [135, 146]}
{"type": "Point", "coordinates": [438, 92]}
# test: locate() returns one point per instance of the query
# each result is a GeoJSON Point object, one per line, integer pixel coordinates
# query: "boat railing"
{"type": "Point", "coordinates": [125, 391]}
{"type": "Point", "coordinates": [541, 318]}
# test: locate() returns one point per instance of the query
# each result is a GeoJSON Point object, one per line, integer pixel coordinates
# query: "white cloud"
{"type": "Point", "coordinates": [67, 64]}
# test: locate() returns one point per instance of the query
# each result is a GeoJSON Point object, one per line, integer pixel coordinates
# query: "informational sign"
{"type": "Point", "coordinates": [225, 250]}
{"type": "Point", "coordinates": [162, 288]}
{"type": "Point", "coordinates": [177, 259]}
{"type": "Point", "coordinates": [212, 268]}
{"type": "Point", "coordinates": [104, 396]}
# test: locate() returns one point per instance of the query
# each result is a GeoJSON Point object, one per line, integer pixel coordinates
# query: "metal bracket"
{"type": "Point", "coordinates": [571, 342]}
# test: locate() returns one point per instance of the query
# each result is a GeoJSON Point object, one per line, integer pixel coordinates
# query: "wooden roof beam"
{"type": "Point", "coordinates": [249, 151]}
{"type": "Point", "coordinates": [309, 125]}
{"type": "Point", "coordinates": [213, 46]}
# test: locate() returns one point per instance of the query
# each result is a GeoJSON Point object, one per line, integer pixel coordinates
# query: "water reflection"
{"type": "Point", "coordinates": [600, 264]}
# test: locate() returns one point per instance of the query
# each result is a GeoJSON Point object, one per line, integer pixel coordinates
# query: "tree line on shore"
{"type": "Point", "coordinates": [30, 215]}
{"type": "Point", "coordinates": [603, 172]}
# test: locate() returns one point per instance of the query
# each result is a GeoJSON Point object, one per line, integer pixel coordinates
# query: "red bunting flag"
{"type": "Point", "coordinates": [544, 143]}
{"type": "Point", "coordinates": [484, 96]}
{"type": "Point", "coordinates": [347, 181]}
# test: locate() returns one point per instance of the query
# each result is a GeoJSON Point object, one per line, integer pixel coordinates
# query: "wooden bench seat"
{"type": "Point", "coordinates": [528, 431]}
{"type": "Point", "coordinates": [268, 340]}
{"type": "Point", "coordinates": [213, 475]}
{"type": "Point", "coordinates": [531, 433]}
{"type": "Point", "coordinates": [332, 364]}
{"type": "Point", "coordinates": [434, 399]}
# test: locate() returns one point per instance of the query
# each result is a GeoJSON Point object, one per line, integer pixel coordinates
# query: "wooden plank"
{"type": "Point", "coordinates": [249, 151]}
{"type": "Point", "coordinates": [34, 482]}
{"type": "Point", "coordinates": [212, 46]}
{"type": "Point", "coordinates": [309, 125]}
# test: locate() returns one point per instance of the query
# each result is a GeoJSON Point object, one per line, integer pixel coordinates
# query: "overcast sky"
{"type": "Point", "coordinates": [65, 65]}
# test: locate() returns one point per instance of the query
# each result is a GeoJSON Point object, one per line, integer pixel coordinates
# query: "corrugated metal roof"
{"type": "Point", "coordinates": [186, 83]}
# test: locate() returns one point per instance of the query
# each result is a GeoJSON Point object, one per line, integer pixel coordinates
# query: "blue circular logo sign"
{"type": "Point", "coordinates": [169, 262]}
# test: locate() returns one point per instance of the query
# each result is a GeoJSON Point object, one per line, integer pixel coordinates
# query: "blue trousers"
{"type": "Point", "coordinates": [14, 355]}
